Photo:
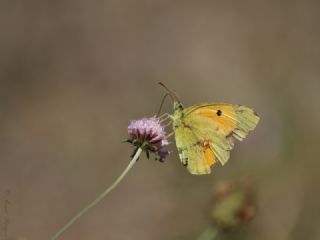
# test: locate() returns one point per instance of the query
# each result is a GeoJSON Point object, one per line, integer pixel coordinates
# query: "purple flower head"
{"type": "Point", "coordinates": [149, 134]}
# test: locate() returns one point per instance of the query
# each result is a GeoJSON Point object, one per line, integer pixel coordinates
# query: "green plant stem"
{"type": "Point", "coordinates": [211, 233]}
{"type": "Point", "coordinates": [99, 198]}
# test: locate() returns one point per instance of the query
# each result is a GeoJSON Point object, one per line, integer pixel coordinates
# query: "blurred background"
{"type": "Point", "coordinates": [74, 73]}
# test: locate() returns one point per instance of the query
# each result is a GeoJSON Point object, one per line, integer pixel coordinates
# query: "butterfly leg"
{"type": "Point", "coordinates": [164, 117]}
{"type": "Point", "coordinates": [170, 134]}
{"type": "Point", "coordinates": [168, 124]}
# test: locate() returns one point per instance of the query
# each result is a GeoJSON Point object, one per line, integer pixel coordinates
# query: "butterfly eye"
{"type": "Point", "coordinates": [178, 106]}
{"type": "Point", "coordinates": [219, 112]}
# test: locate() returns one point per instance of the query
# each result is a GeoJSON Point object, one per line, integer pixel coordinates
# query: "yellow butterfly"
{"type": "Point", "coordinates": [204, 133]}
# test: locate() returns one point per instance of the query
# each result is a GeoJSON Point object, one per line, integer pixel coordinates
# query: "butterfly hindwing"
{"type": "Point", "coordinates": [209, 131]}
{"type": "Point", "coordinates": [192, 153]}
{"type": "Point", "coordinates": [200, 145]}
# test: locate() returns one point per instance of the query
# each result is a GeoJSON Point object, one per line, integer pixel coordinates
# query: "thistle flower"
{"type": "Point", "coordinates": [149, 134]}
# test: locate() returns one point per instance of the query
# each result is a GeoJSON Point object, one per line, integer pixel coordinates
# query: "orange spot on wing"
{"type": "Point", "coordinates": [225, 121]}
{"type": "Point", "coordinates": [208, 154]}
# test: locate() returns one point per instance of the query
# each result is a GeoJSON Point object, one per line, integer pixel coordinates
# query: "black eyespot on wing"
{"type": "Point", "coordinates": [219, 112]}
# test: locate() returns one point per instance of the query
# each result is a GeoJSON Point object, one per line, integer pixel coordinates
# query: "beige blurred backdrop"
{"type": "Point", "coordinates": [74, 73]}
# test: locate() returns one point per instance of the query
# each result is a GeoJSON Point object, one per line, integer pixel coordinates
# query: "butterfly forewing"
{"type": "Point", "coordinates": [204, 133]}
{"type": "Point", "coordinates": [233, 120]}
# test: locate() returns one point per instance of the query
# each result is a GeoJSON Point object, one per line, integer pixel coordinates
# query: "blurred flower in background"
{"type": "Point", "coordinates": [233, 204]}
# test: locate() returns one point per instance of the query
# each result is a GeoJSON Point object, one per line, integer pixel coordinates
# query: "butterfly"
{"type": "Point", "coordinates": [205, 133]}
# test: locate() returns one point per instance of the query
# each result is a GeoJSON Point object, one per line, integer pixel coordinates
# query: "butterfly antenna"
{"type": "Point", "coordinates": [171, 93]}
{"type": "Point", "coordinates": [162, 101]}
